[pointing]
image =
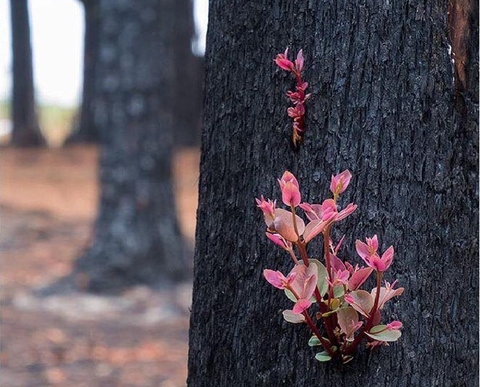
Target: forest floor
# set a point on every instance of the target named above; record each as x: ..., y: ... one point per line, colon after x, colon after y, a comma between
x: 48, y: 203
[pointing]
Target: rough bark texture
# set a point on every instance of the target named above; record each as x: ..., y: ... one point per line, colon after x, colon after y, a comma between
x: 137, y: 237
x: 383, y: 106
x: 26, y: 131
x: 86, y: 131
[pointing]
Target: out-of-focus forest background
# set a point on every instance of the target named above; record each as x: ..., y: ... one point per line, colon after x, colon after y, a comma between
x: 60, y: 324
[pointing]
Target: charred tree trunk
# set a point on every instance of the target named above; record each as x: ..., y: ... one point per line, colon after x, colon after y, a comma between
x: 26, y: 131
x: 137, y: 237
x: 187, y: 93
x: 385, y: 106
x: 86, y: 131
x: 187, y: 99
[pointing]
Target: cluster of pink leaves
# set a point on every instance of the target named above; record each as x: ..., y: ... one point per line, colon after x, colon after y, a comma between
x: 298, y: 96
x: 349, y: 313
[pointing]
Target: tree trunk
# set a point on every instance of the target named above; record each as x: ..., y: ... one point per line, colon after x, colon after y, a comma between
x: 26, y: 131
x: 137, y: 237
x: 385, y: 105
x: 187, y: 100
x: 86, y: 131
x: 188, y: 70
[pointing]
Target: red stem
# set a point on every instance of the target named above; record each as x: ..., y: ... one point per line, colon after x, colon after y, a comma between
x: 303, y: 252
x: 326, y: 345
x: 353, y: 346
x: 292, y: 208
x: 313, y: 327
x: 323, y: 308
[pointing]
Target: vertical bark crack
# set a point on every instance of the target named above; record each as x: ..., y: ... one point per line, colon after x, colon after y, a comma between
x: 459, y: 26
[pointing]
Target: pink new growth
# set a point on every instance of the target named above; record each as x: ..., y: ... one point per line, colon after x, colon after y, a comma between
x: 340, y: 183
x: 301, y: 281
x: 387, y: 293
x: 299, y: 61
x: 268, y: 209
x: 303, y: 286
x: 339, y: 277
x: 318, y: 211
x: 349, y: 314
x: 277, y: 279
x: 279, y: 241
x: 284, y: 225
x: 282, y: 61
x: 290, y: 189
x: 370, y: 248
x: 297, y: 97
x: 348, y: 322
x: 368, y: 252
x: 394, y: 325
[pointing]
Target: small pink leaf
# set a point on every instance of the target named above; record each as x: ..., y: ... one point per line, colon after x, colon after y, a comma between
x: 361, y: 301
x: 301, y: 306
x: 275, y: 278
x: 340, y: 182
x: 279, y: 241
x: 313, y: 228
x: 337, y: 263
x: 387, y: 257
x: 312, y: 211
x: 283, y: 224
x: 348, y: 322
x: 305, y: 280
x: 299, y: 61
x: 386, y: 293
x: 362, y: 249
x: 359, y: 277
x: 283, y: 62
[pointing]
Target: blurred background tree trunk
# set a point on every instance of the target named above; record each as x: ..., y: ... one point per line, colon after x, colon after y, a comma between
x: 25, y: 131
x: 85, y: 130
x: 188, y: 78
x: 384, y: 105
x: 187, y: 99
x: 137, y: 237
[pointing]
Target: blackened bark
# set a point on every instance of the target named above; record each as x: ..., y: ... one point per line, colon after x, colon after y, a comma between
x: 25, y: 131
x: 137, y: 237
x: 383, y: 106
x: 86, y: 131
x: 187, y: 98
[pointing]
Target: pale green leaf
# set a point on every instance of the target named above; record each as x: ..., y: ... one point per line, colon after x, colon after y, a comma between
x: 314, y: 341
x: 290, y: 295
x: 338, y: 291
x: 378, y: 328
x: 322, y: 283
x: 347, y: 319
x: 385, y: 335
x: 323, y: 356
x: 361, y: 301
x: 293, y: 318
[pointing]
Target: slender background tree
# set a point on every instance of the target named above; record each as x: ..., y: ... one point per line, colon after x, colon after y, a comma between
x: 187, y: 99
x: 387, y: 105
x: 85, y: 130
x: 26, y: 131
x: 137, y: 238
